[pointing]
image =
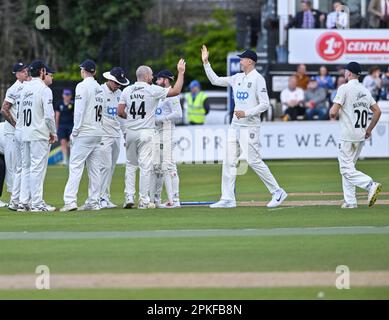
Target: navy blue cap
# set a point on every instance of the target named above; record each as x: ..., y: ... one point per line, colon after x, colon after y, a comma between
x: 39, y: 64
x: 165, y: 74
x: 354, y: 67
x: 249, y: 54
x: 88, y: 65
x: 19, y: 67
x: 116, y: 74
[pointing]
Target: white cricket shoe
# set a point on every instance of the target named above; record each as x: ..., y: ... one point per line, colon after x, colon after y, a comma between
x: 23, y: 207
x: 223, y: 204
x: 69, y: 207
x: 169, y: 205
x: 346, y: 205
x: 13, y: 206
x: 107, y: 204
x: 89, y: 207
x: 129, y: 202
x: 143, y: 206
x: 111, y: 205
x: 278, y: 197
x: 374, y: 191
x: 3, y: 204
x: 43, y: 208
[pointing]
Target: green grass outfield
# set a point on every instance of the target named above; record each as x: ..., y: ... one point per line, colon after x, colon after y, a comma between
x: 205, y: 240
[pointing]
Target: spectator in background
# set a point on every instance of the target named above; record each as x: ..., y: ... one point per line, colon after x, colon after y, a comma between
x: 379, y: 14
x: 337, y: 19
x: 292, y: 99
x: 301, y: 76
x: 316, y: 101
x: 324, y: 80
x: 64, y: 113
x: 197, y: 104
x: 308, y: 18
x: 385, y: 86
x: 341, y: 80
x: 373, y: 82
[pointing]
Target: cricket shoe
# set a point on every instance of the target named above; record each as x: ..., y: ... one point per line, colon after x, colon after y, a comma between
x: 89, y: 207
x: 150, y: 205
x: 42, y: 208
x: 128, y: 203
x: 171, y: 205
x: 346, y: 205
x: 72, y: 206
x: 13, y: 206
x: 107, y: 204
x: 23, y: 207
x: 223, y: 204
x: 3, y: 204
x: 278, y: 197
x: 374, y: 191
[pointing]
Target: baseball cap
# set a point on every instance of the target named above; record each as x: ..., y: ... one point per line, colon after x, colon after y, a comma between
x: 88, y: 65
x: 67, y: 92
x: 249, y: 54
x: 116, y: 74
x: 165, y: 74
x: 354, y: 67
x: 19, y: 66
x: 39, y: 64
x: 194, y: 83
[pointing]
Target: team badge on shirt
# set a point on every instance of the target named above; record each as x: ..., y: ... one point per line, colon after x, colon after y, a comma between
x: 249, y: 85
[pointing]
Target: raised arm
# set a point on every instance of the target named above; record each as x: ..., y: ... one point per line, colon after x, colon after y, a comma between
x: 212, y: 76
x: 176, y: 90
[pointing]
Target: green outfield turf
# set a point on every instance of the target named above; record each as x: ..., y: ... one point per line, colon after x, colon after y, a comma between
x: 283, y: 239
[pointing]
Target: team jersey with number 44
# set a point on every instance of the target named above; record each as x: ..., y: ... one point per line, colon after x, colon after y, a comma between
x: 88, y: 108
x: 141, y: 100
x: 356, y: 101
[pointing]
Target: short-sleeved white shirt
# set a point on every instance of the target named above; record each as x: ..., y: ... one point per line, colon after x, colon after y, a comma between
x: 141, y: 100
x: 13, y: 97
x: 356, y: 101
x: 110, y: 121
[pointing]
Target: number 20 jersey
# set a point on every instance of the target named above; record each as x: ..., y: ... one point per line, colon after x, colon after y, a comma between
x: 141, y: 100
x: 356, y: 101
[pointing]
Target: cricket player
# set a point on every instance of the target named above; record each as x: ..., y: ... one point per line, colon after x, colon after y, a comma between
x: 138, y: 104
x: 353, y: 102
x: 110, y: 144
x: 9, y: 111
x: 165, y: 170
x: 2, y: 163
x: 251, y: 99
x: 38, y: 131
x: 86, y: 138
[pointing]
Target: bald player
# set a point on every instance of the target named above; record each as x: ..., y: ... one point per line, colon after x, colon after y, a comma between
x: 353, y: 102
x: 138, y: 104
x: 251, y: 99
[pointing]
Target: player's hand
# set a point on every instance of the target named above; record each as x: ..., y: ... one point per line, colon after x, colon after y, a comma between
x: 53, y: 138
x: 204, y: 54
x: 240, y: 114
x: 367, y: 134
x: 181, y: 66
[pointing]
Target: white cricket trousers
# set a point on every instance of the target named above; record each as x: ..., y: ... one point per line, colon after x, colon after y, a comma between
x: 245, y: 139
x: 35, y: 157
x: 9, y: 157
x: 164, y: 166
x: 19, y: 174
x: 110, y: 149
x: 84, y: 150
x: 351, y: 177
x: 139, y: 148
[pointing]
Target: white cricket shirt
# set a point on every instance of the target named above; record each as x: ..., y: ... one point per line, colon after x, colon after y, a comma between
x: 13, y: 97
x: 110, y: 121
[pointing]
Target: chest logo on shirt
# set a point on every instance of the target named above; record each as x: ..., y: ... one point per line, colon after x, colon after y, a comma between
x: 112, y: 111
x: 249, y: 85
x: 158, y: 111
x: 360, y: 95
x: 242, y: 95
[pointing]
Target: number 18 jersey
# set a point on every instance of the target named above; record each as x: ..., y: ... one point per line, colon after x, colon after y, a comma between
x: 141, y: 100
x: 356, y: 101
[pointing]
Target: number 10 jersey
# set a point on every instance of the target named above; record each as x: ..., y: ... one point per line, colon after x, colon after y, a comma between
x: 356, y: 101
x: 141, y: 100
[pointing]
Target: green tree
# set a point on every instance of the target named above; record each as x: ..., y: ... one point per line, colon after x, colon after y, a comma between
x: 219, y: 36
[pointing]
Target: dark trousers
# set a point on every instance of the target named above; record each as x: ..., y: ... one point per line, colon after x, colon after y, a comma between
x: 2, y: 173
x: 293, y: 112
